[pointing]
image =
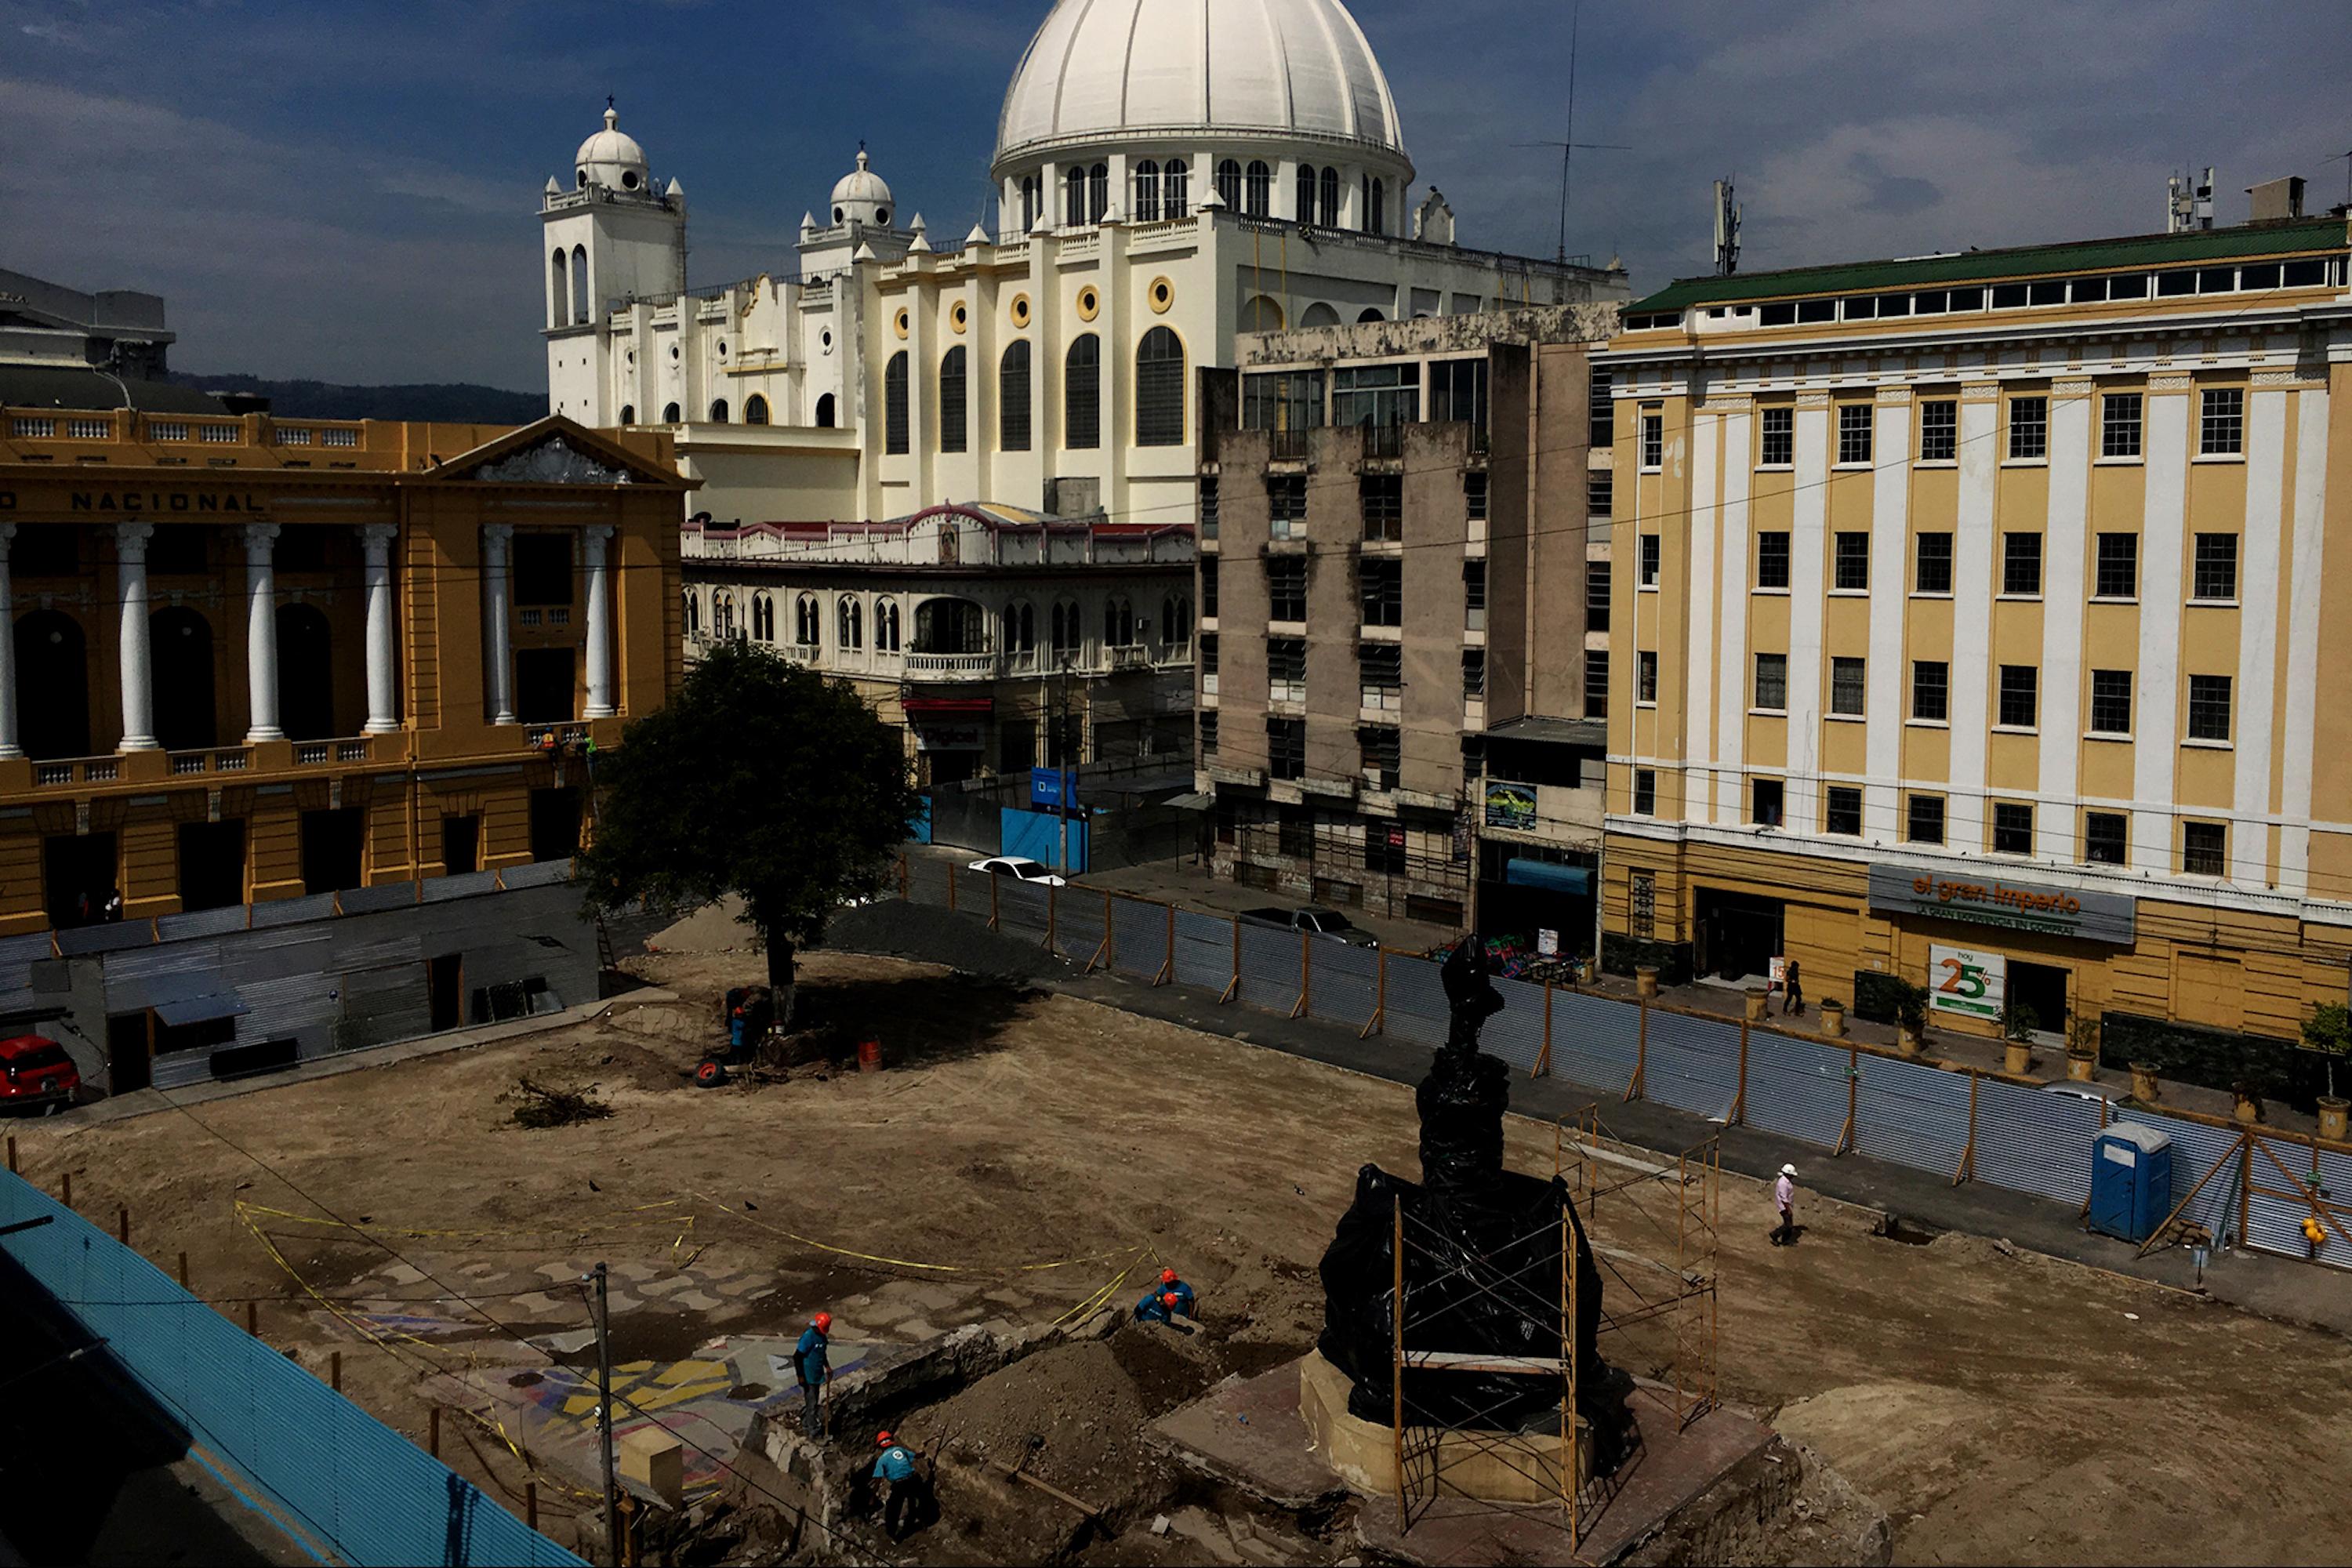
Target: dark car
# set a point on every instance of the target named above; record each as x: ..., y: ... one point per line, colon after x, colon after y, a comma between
x: 36, y: 1071
x: 1321, y: 923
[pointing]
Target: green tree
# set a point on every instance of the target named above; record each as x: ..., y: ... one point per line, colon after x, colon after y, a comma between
x: 758, y: 779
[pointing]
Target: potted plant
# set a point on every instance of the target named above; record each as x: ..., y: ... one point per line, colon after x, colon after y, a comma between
x: 2018, y: 1024
x: 2328, y: 1031
x: 1911, y: 1018
x: 2144, y: 1082
x: 2249, y: 1109
x: 2081, y: 1049
x: 1833, y: 1017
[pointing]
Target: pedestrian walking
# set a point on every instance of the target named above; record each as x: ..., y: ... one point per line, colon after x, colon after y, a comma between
x: 1784, y: 1198
x: 902, y: 1487
x: 813, y: 1366
x: 1793, y: 997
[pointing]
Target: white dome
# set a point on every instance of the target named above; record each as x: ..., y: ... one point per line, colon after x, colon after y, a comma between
x: 611, y: 158
x: 1107, y: 70
x: 862, y: 196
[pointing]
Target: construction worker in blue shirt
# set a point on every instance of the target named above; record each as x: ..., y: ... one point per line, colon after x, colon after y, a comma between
x: 904, y: 1485
x: 1158, y: 1306
x: 811, y: 1367
x: 1171, y: 1286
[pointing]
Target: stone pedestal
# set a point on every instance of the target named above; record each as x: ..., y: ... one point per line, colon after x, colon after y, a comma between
x: 1521, y: 1468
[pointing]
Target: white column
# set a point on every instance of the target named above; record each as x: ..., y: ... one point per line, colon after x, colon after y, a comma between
x: 498, y: 632
x: 261, y: 632
x: 600, y: 625
x: 131, y: 640
x: 8, y: 746
x: 383, y: 686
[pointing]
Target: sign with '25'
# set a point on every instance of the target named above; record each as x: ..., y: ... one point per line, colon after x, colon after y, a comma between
x: 1960, y: 981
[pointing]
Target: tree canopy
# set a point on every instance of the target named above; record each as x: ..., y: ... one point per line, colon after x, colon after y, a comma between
x: 760, y: 779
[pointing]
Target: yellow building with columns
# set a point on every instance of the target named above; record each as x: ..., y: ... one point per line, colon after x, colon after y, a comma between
x: 1988, y: 624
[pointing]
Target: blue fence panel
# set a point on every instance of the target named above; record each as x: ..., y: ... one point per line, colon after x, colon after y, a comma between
x: 2336, y: 1187
x: 1038, y: 836
x: 359, y: 1491
x: 1205, y: 951
x: 1692, y: 1064
x: 919, y: 826
x: 1516, y: 1034
x: 1020, y: 907
x: 2195, y: 1149
x: 1415, y: 1010
x: 1138, y: 937
x: 1797, y: 1087
x: 1344, y: 983
x: 2031, y: 1141
x: 1914, y: 1115
x: 1077, y: 925
x: 1593, y: 1041
x: 1270, y: 967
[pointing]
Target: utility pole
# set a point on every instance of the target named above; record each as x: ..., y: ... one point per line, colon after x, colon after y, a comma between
x: 605, y: 1414
x: 1061, y: 744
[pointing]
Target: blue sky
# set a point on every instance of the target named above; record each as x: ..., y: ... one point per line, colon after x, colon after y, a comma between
x: 347, y: 190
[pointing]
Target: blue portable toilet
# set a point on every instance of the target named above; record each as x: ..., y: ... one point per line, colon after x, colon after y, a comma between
x: 2131, y: 1180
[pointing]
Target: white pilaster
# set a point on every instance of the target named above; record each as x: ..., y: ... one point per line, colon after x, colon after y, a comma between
x: 498, y: 633
x: 1698, y: 663
x: 382, y: 682
x: 2299, y: 710
x: 600, y: 623
x: 1883, y: 673
x: 1808, y: 606
x: 8, y: 746
x: 261, y: 632
x: 131, y: 638
x: 2156, y: 714
x: 1733, y: 682
x: 1969, y: 672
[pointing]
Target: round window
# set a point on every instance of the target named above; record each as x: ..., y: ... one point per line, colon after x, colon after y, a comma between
x: 882, y: 217
x: 837, y: 214
x: 583, y: 179
x: 958, y: 316
x: 1163, y: 295
x: 898, y: 322
x: 1021, y: 309
x: 1089, y: 303
x: 722, y: 350
x: 632, y: 356
x: 673, y: 351
x: 629, y: 180
x: 825, y: 338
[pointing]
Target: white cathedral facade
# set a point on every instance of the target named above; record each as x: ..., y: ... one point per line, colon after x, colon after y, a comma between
x: 1168, y: 173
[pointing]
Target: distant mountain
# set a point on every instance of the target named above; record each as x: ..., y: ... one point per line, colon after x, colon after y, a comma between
x: 455, y: 402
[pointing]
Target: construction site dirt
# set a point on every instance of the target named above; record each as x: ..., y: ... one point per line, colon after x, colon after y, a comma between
x: 1028, y: 1158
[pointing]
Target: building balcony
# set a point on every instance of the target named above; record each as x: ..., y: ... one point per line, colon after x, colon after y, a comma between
x: 953, y: 665
x: 1134, y: 655
x: 77, y: 771
x: 223, y: 760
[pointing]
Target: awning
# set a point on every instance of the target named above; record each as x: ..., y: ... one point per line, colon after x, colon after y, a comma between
x: 1527, y: 873
x: 1191, y: 800
x: 200, y: 1009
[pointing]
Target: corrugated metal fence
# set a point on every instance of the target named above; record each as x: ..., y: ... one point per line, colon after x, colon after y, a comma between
x: 358, y: 1490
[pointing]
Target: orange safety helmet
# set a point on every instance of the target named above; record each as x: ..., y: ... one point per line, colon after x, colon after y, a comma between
x: 824, y: 1322
x: 882, y: 1440
x: 1168, y: 1277
x: 1168, y: 1299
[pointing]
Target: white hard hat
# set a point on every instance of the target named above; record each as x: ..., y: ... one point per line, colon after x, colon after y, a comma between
x: 1788, y: 1170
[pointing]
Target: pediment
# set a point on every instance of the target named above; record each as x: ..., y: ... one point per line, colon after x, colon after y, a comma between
x: 556, y: 451
x: 553, y: 461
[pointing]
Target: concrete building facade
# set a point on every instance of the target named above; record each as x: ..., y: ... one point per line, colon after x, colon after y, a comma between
x: 1981, y: 616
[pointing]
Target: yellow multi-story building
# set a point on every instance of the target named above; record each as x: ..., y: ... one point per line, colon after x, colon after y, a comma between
x: 1980, y: 615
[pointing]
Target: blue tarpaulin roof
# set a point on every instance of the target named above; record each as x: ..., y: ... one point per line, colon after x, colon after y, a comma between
x: 1527, y: 873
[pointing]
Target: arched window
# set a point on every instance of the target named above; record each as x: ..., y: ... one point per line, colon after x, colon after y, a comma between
x: 722, y: 615
x: 1029, y: 203
x: 1118, y: 623
x: 1371, y: 313
x: 1175, y: 622
x: 894, y: 404
x: 1097, y: 192
x: 848, y: 622
x: 1175, y: 196
x: 306, y: 673
x: 669, y: 414
x: 1329, y: 185
x: 53, y: 677
x: 1013, y: 397
x: 1229, y: 184
x: 951, y: 400
x: 180, y: 644
x: 1147, y: 191
x: 1257, y: 191
x: 559, y: 289
x: 1261, y: 313
x: 628, y: 414
x: 1159, y: 389
x: 886, y: 625
x: 1305, y: 197
x: 763, y: 617
x: 1073, y: 197
x: 1020, y: 627
x: 579, y: 284
x: 693, y: 614
x: 1319, y: 314
x: 1082, y: 394
x: 824, y: 412
x: 1376, y: 208
x: 755, y: 410
x: 806, y: 623
x: 1067, y: 634
x: 718, y: 411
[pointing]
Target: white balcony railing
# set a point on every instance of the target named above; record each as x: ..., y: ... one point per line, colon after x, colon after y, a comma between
x: 964, y: 666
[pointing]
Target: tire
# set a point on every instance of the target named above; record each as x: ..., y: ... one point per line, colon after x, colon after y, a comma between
x: 710, y: 1075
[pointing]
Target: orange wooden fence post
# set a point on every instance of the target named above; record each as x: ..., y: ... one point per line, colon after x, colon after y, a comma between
x: 1739, y: 1111
x: 1168, y: 961
x: 1306, y: 973
x: 1635, y: 1088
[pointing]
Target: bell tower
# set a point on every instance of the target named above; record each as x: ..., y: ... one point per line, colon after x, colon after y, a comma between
x: 608, y: 235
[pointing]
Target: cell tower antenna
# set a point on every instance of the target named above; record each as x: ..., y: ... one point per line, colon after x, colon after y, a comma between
x: 1571, y: 145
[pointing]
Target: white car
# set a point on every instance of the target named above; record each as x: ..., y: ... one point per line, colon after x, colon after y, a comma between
x: 1022, y: 870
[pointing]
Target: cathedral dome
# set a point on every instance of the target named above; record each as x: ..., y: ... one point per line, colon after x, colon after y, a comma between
x: 612, y: 158
x: 862, y: 196
x: 1104, y: 71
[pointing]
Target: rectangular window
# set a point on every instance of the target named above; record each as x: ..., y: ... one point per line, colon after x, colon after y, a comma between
x: 2020, y: 684
x: 1771, y: 560
x: 1939, y: 430
x: 1598, y: 423
x: 1772, y: 681
x: 1383, y: 499
x: 1853, y: 432
x: 1285, y: 749
x: 1294, y: 833
x: 1646, y: 676
x: 1286, y: 506
x: 1779, y: 429
x: 2222, y: 428
x: 1208, y: 663
x: 1208, y: 494
x: 2012, y: 829
x: 1923, y: 819
x: 1600, y: 492
x: 2111, y: 701
x: 1933, y: 573
x: 1208, y: 731
x: 1596, y: 683
x: 1379, y: 676
x: 1286, y: 669
x: 1649, y: 578
x: 1843, y: 810
x: 1208, y: 585
x: 2021, y: 565
x: 1646, y: 792
x: 542, y: 568
x: 2118, y: 570
x: 1596, y: 595
x: 1643, y: 893
x: 1846, y: 688
x: 2217, y: 566
x: 1286, y: 589
x: 1458, y: 395
x: 1379, y: 751
x: 2029, y: 428
x: 1474, y: 496
x: 2209, y: 706
x: 2204, y: 850
x: 1381, y: 395
x: 1379, y: 590
x: 2103, y: 838
x: 1288, y: 402
x: 1473, y: 673
x: 1852, y: 562
x: 1654, y: 441
x: 1474, y: 595
x: 1765, y: 809
x: 2119, y: 413
x: 1931, y: 690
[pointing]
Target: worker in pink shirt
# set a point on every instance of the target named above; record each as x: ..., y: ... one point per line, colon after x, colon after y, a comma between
x: 1784, y: 1198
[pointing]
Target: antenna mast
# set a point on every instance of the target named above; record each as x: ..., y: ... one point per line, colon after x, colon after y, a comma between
x: 1726, y: 230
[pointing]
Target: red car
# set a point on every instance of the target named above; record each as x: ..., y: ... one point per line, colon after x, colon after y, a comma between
x: 37, y: 1071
